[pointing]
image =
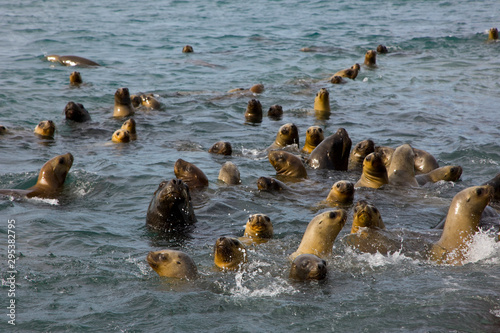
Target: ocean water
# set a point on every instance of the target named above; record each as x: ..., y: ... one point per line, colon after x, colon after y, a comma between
x: 81, y: 258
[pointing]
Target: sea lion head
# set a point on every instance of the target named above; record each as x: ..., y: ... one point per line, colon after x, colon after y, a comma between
x: 173, y: 264
x: 257, y: 88
x: 336, y: 79
x: 341, y: 192
x: 374, y: 164
x: 287, y: 164
x: 129, y: 126
x: 275, y: 112
x: 76, y: 112
x: 269, y: 184
x: 75, y: 78
x: 370, y: 58
x: 149, y: 101
x: 308, y: 267
x: 229, y: 174
x: 3, y: 129
x: 322, y: 100
x: 366, y: 216
x: 190, y: 174
x: 259, y: 226
x: 229, y: 253
x: 53, y: 173
x: 381, y: 49
x: 253, y: 113
x: 45, y: 128
x: 288, y: 134
x: 493, y: 34
x: 314, y: 136
x: 222, y: 148
x: 122, y: 96
x: 136, y: 100
x: 187, y: 49
x: 121, y: 136
x: 360, y: 151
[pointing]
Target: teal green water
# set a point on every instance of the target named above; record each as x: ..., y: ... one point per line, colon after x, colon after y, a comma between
x: 81, y: 264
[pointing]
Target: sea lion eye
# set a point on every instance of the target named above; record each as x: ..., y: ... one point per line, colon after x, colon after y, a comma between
x: 178, y: 262
x: 479, y: 191
x: 61, y: 160
x: 338, y: 185
x: 268, y: 219
x: 332, y: 215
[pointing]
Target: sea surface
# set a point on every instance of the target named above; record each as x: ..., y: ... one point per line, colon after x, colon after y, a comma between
x: 80, y: 259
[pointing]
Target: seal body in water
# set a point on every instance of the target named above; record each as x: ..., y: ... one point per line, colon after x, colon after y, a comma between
x: 229, y: 174
x: 71, y: 60
x: 221, y: 148
x: 172, y: 264
x: 322, y: 100
x: 449, y: 173
x: 287, y: 164
x: 123, y: 104
x: 270, y: 184
x: 190, y: 174
x: 76, y: 112
x: 253, y: 113
x: 350, y: 73
x: 401, y: 171
x: 308, y: 267
x: 288, y: 134
x: 332, y: 153
x: 371, y: 58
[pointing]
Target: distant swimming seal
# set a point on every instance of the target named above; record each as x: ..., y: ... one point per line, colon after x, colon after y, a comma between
x: 288, y: 134
x: 172, y: 264
x: 449, y: 173
x: 332, y: 153
x: 229, y: 174
x: 322, y: 101
x: 337, y: 79
x: 170, y: 209
x: 259, y: 228
x: 221, y: 148
x: 123, y: 103
x: 76, y: 112
x: 308, y: 267
x: 229, y: 253
x: 461, y: 224
x: 136, y: 100
x: 75, y: 78
x: 149, y: 101
x: 275, y: 112
x: 359, y: 152
x: 257, y: 88
x: 190, y: 174
x: 287, y: 164
x: 71, y: 60
x: 45, y: 128
x: 50, y: 179
x: 187, y: 49
x: 493, y: 34
x: 401, y: 171
x: 314, y: 136
x: 253, y: 113
x: 129, y: 126
x: 371, y: 58
x: 342, y: 192
x: 424, y: 161
x: 381, y: 49
x: 121, y: 136
x: 350, y: 73
x: 3, y: 130
x: 270, y: 184
x: 374, y: 172
x: 320, y: 233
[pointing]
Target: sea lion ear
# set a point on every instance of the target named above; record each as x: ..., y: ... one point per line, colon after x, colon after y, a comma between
x: 468, y: 198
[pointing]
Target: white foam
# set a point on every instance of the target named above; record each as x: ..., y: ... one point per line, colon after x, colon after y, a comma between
x: 483, y: 247
x: 53, y: 202
x: 378, y: 259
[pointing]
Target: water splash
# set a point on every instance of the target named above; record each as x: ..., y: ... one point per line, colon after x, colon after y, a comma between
x: 53, y: 202
x: 483, y: 247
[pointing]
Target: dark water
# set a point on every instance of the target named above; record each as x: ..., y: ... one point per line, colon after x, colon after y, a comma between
x: 81, y: 259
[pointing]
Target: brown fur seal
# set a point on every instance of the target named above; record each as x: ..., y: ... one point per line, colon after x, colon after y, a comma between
x: 50, y: 179
x: 288, y: 134
x: 221, y: 148
x: 3, y: 129
x: 229, y: 253
x: 257, y: 88
x: 461, y: 224
x: 366, y: 215
x: 259, y: 228
x: 449, y: 173
x: 190, y: 174
x: 385, y: 154
x: 149, y: 101
x: 136, y: 100
x: 493, y: 34
x: 121, y: 136
x: 229, y: 174
x: 253, y: 113
x: 350, y: 73
x: 172, y: 264
x: 308, y: 267
x: 314, y: 136
x: 187, y: 49
x: 170, y: 208
x: 71, y: 60
x: 371, y: 58
x: 270, y: 184
x: 129, y: 126
x: 342, y: 192
x: 322, y: 101
x: 401, y: 171
x: 424, y: 161
x: 332, y: 153
x: 359, y: 152
x: 374, y: 172
x: 382, y: 49
x: 320, y: 233
x: 337, y: 79
x: 275, y: 112
x: 45, y: 128
x: 76, y: 112
x: 75, y: 78
x: 287, y: 164
x: 123, y: 103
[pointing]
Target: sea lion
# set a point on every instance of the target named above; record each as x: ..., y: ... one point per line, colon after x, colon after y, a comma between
x: 495, y: 183
x: 129, y: 126
x: 45, y: 128
x: 170, y: 209
x: 382, y: 49
x: 76, y: 112
x: 332, y: 153
x: 366, y: 215
x: 221, y: 148
x: 121, y: 136
x: 350, y: 73
x: 359, y: 152
x: 337, y: 79
x: 270, y: 184
x: 257, y: 88
x: 371, y: 58
x: 322, y: 101
x: 275, y: 112
x: 314, y: 136
x: 172, y: 264
x: 493, y: 34
x: 321, y: 233
x: 75, y: 78
x: 424, y: 161
x: 385, y: 154
x: 253, y: 113
x: 287, y: 164
x: 136, y: 100
x: 229, y: 174
x: 3, y: 130
x: 308, y: 267
x: 229, y: 253
x: 374, y: 172
x: 123, y: 104
x: 187, y: 49
x: 401, y: 171
x: 50, y: 179
x: 288, y: 134
x: 342, y: 192
x: 149, y: 101
x: 259, y: 228
x: 461, y: 224
x: 71, y: 60
x: 449, y: 173
x: 190, y: 174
